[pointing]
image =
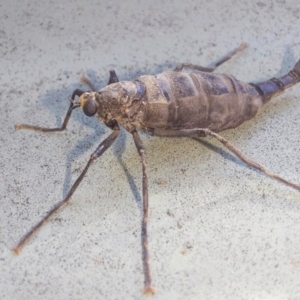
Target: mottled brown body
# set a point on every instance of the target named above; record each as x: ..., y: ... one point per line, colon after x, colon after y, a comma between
x: 179, y: 100
x: 176, y: 100
x: 173, y: 103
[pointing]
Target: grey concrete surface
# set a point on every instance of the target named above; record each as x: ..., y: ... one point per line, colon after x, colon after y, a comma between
x: 217, y: 229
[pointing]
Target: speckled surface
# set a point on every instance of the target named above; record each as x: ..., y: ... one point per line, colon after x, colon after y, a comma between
x: 218, y: 230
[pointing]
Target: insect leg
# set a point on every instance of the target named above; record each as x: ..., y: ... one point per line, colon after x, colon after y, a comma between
x: 112, y: 79
x: 237, y: 152
x: 97, y: 153
x: 72, y: 106
x: 148, y: 288
x: 249, y: 161
x: 86, y: 80
x: 218, y: 63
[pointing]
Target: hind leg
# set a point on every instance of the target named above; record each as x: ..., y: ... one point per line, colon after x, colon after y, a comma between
x: 218, y: 63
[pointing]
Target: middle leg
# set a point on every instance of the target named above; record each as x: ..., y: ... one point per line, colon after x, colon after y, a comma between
x: 148, y: 288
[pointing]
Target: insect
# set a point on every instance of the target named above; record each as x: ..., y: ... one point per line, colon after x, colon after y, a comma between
x: 173, y: 103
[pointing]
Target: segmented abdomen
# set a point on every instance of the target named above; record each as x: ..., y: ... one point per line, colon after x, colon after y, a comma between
x: 179, y: 100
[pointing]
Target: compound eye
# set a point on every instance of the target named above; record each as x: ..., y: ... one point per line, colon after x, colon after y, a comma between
x: 89, y: 108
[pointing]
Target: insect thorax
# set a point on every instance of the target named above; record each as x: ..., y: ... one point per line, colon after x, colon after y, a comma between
x: 122, y: 101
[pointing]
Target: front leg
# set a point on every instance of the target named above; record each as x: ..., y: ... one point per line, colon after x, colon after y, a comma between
x: 113, y: 78
x: 73, y: 105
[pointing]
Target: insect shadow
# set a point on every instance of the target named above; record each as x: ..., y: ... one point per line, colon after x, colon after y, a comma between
x: 88, y: 143
x: 226, y: 103
x: 56, y: 101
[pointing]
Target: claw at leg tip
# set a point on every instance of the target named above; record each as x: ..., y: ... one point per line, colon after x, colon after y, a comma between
x: 16, y: 250
x: 149, y: 290
x: 243, y: 45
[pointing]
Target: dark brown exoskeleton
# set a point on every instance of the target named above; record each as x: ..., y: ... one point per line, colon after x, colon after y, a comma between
x: 173, y: 103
